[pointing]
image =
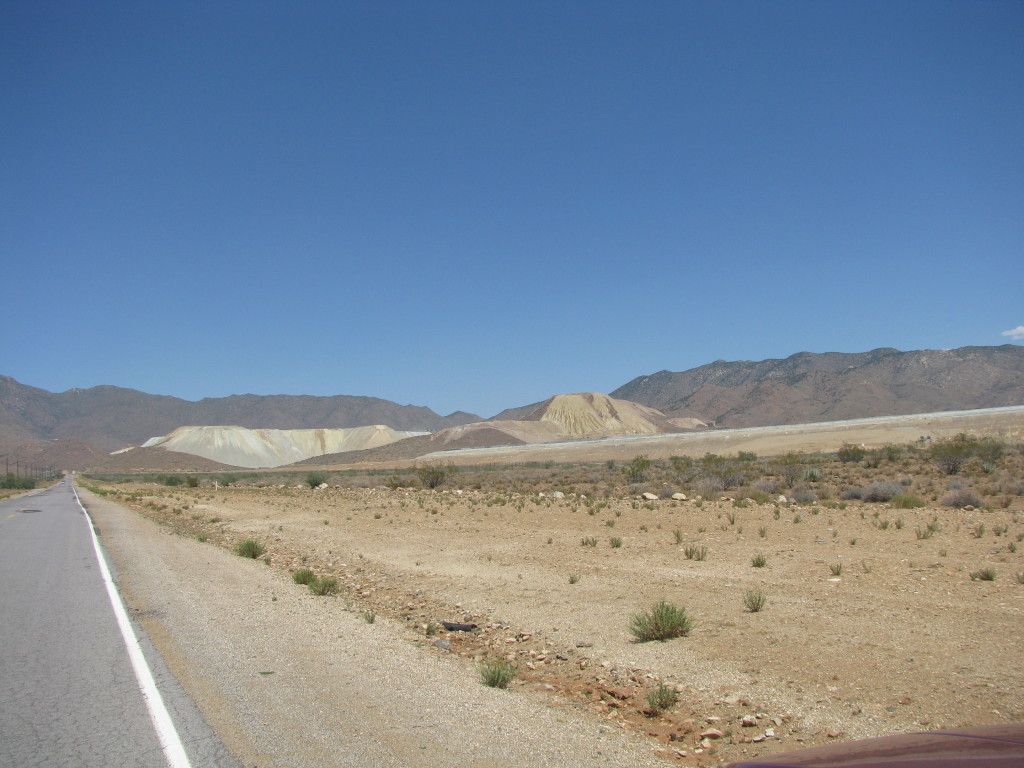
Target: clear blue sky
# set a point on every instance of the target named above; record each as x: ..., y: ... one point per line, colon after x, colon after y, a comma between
x: 476, y: 205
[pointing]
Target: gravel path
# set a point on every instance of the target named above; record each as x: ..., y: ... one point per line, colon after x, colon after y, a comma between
x: 289, y: 679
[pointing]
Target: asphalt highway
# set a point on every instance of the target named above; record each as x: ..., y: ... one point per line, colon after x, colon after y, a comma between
x: 70, y: 692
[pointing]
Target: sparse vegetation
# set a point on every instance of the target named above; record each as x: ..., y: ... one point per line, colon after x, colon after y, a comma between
x: 662, y: 622
x: 303, y: 576
x: 759, y: 560
x: 984, y: 574
x: 755, y: 600
x: 324, y: 585
x: 661, y: 698
x: 695, y: 552
x: 316, y: 479
x: 249, y: 548
x: 497, y: 673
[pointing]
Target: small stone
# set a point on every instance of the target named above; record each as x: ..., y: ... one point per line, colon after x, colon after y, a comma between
x: 712, y: 733
x: 769, y: 733
x: 748, y: 721
x: 443, y: 644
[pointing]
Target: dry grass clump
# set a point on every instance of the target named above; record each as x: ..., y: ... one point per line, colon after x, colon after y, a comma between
x: 663, y: 621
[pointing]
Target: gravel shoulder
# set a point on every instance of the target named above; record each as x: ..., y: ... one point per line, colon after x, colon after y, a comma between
x: 286, y: 678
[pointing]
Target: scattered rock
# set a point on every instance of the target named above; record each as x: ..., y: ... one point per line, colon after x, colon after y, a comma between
x: 712, y: 733
x: 443, y: 644
x: 748, y: 721
x: 648, y: 496
x: 679, y: 496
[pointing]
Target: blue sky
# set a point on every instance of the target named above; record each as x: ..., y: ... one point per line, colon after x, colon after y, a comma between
x: 477, y: 205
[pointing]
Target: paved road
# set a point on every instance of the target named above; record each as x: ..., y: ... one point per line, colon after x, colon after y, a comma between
x: 68, y: 692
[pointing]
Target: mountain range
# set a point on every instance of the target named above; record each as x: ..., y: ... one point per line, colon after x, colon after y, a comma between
x: 805, y: 387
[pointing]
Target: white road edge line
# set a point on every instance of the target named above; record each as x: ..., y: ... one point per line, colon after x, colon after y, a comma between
x: 167, y: 735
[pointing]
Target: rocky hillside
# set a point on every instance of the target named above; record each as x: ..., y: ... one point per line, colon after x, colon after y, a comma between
x: 110, y: 417
x: 809, y: 387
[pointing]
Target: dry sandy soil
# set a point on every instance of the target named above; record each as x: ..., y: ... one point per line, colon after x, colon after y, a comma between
x: 901, y: 639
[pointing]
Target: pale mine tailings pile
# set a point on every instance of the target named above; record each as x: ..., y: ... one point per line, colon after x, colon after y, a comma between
x: 259, y: 448
x: 572, y: 417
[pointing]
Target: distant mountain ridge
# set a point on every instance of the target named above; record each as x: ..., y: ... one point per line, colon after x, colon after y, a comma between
x: 805, y: 387
x: 110, y: 418
x: 832, y: 386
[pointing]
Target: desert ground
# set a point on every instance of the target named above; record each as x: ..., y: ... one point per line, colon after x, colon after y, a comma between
x: 878, y: 619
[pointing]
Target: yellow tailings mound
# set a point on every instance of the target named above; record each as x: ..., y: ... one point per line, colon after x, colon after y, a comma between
x: 590, y: 414
x: 569, y: 417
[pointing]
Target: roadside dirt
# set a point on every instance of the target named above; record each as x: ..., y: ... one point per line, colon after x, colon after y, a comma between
x: 868, y: 629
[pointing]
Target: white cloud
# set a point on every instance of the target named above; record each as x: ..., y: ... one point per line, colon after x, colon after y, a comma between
x: 1015, y: 333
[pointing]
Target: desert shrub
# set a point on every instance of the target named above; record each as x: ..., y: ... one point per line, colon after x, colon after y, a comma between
x: 636, y: 470
x: 709, y: 486
x: 883, y: 490
x: 984, y: 574
x: 851, y: 493
x: 766, y: 485
x: 695, y: 552
x: 315, y: 479
x: 951, y: 455
x: 588, y: 541
x: 615, y: 542
x: 791, y: 468
x: 758, y: 496
x: 678, y: 535
x: 663, y: 622
x: 754, y: 600
x: 759, y: 560
x: 249, y: 548
x: 172, y: 480
x: 804, y: 496
x: 906, y: 501
x: 435, y: 475
x: 850, y: 453
x: 574, y: 578
x: 836, y: 569
x: 960, y: 498
x: 303, y: 576
x: 13, y: 482
x: 497, y: 673
x: 192, y: 482
x: 660, y: 698
x: 324, y: 585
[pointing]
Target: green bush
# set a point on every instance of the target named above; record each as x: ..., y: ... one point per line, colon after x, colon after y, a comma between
x: 249, y: 548
x: 303, y: 576
x: 323, y: 585
x: 316, y: 479
x: 660, y: 698
x: 754, y: 600
x: 435, y: 475
x: 663, y: 622
x: 759, y: 560
x: 497, y: 673
x: 851, y: 453
x: 13, y: 482
x: 906, y: 501
x: 695, y: 552
x: 636, y: 470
